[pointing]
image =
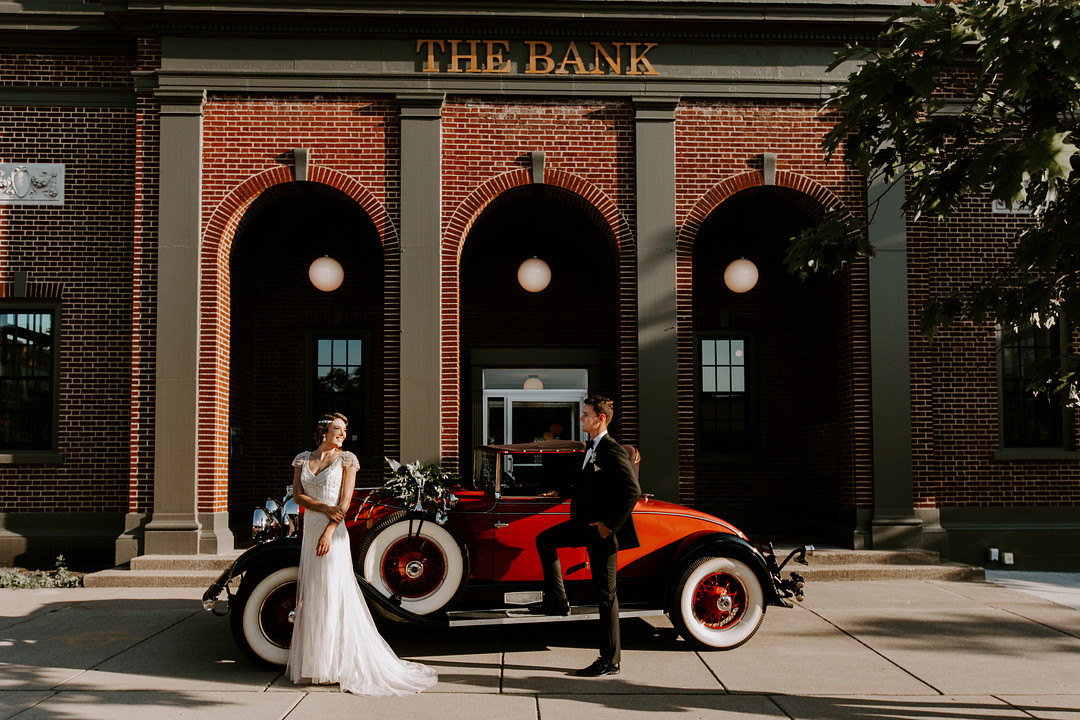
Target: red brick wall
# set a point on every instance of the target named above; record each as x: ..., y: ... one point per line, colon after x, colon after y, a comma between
x: 814, y: 402
x: 588, y: 147
x: 248, y: 142
x: 954, y: 378
x: 80, y: 253
x: 144, y: 289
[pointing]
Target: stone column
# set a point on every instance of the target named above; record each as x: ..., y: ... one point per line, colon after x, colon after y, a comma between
x: 174, y: 528
x: 894, y: 523
x: 421, y: 301
x: 658, y: 386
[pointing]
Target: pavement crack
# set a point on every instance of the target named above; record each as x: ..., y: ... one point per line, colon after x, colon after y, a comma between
x: 884, y: 657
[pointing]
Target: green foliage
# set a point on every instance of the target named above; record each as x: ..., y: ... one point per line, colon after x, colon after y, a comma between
x: 419, y: 486
x: 969, y: 98
x: 59, y: 577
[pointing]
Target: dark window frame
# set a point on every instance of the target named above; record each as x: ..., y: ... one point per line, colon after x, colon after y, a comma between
x: 47, y: 450
x: 359, y: 423
x: 1012, y: 393
x: 748, y: 448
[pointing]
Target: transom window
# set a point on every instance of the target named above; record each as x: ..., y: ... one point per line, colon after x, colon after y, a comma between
x: 28, y: 379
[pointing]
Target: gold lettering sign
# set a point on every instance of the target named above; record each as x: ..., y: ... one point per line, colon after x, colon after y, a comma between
x: 539, y: 57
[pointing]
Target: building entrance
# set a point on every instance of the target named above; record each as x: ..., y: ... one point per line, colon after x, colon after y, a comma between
x: 532, y: 405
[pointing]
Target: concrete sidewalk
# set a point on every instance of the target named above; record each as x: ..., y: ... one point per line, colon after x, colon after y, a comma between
x: 853, y: 650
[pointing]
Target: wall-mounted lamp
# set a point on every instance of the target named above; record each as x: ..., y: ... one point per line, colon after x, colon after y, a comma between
x: 326, y: 274
x: 534, y: 275
x: 533, y: 382
x: 741, y: 275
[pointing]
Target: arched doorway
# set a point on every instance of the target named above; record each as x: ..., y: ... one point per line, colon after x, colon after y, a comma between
x: 296, y: 351
x: 566, y: 335
x: 773, y: 404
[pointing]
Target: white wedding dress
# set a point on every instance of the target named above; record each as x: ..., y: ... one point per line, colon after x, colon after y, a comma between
x: 334, y: 638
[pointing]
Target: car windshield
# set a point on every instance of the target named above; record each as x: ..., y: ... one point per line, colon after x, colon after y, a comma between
x: 526, y: 469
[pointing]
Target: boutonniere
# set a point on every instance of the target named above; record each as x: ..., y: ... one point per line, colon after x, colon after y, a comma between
x: 592, y: 461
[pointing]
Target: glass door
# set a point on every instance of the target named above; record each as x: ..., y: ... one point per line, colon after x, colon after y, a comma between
x: 531, y: 405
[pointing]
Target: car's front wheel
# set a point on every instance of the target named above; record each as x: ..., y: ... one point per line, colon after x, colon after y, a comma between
x: 261, y: 616
x: 719, y: 603
x: 419, y: 562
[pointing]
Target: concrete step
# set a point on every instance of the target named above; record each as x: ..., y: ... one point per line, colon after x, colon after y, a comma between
x: 827, y: 565
x: 164, y: 571
x: 217, y: 563
x: 863, y: 571
x: 121, y: 577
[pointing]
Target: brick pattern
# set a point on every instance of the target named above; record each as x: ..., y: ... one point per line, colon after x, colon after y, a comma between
x: 248, y: 143
x: 97, y: 253
x: 144, y: 289
x: 81, y: 254
x: 804, y: 457
x: 588, y: 151
x: 954, y: 378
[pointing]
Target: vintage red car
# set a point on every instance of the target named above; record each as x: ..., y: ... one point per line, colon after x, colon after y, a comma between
x: 477, y: 563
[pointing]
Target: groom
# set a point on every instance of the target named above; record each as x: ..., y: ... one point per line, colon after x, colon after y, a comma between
x: 602, y: 498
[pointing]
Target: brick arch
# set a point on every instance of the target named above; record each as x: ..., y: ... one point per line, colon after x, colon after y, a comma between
x: 622, y: 245
x: 813, y: 191
x: 815, y: 197
x: 215, y: 313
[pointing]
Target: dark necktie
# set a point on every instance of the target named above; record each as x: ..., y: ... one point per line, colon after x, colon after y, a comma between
x: 588, y: 444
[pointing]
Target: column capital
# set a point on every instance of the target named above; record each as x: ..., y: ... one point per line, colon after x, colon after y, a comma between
x: 181, y: 101
x: 660, y: 108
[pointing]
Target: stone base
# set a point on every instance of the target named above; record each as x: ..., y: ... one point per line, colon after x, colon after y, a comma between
x: 34, y: 540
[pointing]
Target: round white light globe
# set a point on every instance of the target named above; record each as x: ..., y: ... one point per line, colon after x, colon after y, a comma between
x: 534, y: 275
x: 326, y: 274
x: 741, y: 275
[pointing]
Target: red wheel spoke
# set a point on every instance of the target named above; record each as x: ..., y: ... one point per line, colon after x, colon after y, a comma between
x: 414, y: 567
x: 719, y: 601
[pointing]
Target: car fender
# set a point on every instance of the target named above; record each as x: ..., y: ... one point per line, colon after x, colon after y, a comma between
x: 721, y: 545
x: 285, y: 551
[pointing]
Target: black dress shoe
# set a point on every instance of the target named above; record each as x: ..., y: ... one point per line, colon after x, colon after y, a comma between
x: 551, y: 607
x: 599, y: 667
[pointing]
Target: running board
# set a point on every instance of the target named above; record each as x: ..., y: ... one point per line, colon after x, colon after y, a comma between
x: 511, y: 616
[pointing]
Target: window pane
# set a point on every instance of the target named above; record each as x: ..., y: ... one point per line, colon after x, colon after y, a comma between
x: 27, y: 381
x: 723, y: 380
x: 722, y: 407
x: 1028, y: 420
x: 708, y: 352
x: 708, y: 379
x: 738, y: 352
x: 738, y: 379
x: 340, y: 385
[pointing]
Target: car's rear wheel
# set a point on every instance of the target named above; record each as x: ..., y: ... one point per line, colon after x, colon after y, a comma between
x: 419, y: 562
x: 719, y: 603
x: 261, y: 614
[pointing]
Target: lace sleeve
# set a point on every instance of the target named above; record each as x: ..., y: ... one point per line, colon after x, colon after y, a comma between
x: 301, y: 459
x: 349, y: 460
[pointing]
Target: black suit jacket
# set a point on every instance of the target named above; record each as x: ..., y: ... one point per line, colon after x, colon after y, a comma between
x: 606, y: 490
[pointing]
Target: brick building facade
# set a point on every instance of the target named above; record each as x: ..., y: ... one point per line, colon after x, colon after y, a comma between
x: 207, y: 157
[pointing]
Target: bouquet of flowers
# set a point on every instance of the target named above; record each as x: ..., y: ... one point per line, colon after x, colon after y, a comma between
x: 419, y: 486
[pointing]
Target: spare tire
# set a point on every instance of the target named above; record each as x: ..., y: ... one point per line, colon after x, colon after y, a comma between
x: 414, y: 560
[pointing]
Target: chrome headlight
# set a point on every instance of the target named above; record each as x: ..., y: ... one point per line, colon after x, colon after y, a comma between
x: 264, y: 526
x: 292, y: 516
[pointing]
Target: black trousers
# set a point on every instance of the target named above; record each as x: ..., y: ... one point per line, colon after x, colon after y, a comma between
x: 602, y: 563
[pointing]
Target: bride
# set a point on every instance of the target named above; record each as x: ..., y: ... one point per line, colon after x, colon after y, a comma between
x: 334, y: 638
